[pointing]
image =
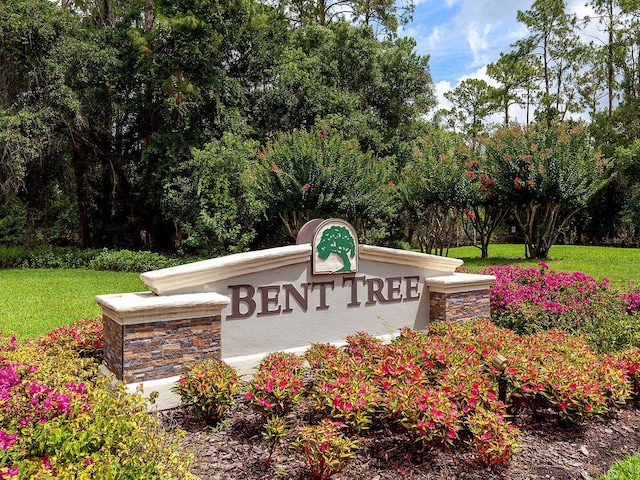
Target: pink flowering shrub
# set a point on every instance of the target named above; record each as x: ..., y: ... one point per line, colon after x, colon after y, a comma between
x: 632, y: 298
x: 519, y: 293
x: 530, y: 300
x: 59, y: 418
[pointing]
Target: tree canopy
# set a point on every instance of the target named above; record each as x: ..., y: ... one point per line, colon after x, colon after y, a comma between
x: 217, y: 126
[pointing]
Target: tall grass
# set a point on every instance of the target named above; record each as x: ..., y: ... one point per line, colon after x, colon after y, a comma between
x: 35, y: 301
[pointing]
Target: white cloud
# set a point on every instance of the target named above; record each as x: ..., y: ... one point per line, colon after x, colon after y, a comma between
x: 434, y: 38
x: 478, y: 43
x: 440, y: 89
x: 463, y: 36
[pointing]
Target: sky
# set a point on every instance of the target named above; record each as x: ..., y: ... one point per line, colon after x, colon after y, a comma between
x: 463, y: 36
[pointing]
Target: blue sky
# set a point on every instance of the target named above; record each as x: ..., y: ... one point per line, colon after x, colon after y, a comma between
x: 463, y: 36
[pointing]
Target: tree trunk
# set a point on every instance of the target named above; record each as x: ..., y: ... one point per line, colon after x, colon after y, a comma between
x: 82, y: 171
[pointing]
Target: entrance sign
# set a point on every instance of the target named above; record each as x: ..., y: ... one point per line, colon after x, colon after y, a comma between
x: 243, y: 306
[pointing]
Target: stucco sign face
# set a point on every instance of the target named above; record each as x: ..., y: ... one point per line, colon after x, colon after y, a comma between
x: 322, y: 289
x: 335, y: 248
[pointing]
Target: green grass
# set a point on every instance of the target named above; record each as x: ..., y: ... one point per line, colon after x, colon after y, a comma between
x: 627, y: 469
x: 617, y: 264
x: 33, y: 302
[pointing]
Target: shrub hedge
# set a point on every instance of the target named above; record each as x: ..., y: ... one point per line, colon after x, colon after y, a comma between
x: 70, y: 257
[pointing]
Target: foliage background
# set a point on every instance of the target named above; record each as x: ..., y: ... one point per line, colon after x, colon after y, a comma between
x: 152, y: 125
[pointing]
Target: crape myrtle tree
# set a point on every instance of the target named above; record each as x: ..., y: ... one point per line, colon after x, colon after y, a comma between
x: 305, y: 175
x: 548, y: 173
x: 487, y: 208
x: 435, y: 189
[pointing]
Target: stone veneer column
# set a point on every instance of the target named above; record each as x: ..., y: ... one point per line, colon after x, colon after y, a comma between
x: 459, y: 297
x: 150, y: 337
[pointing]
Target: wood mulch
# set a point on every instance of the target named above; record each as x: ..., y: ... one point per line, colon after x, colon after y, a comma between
x: 549, y: 449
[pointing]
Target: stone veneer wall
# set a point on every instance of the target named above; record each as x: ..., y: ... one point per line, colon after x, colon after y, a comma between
x: 161, y: 349
x: 112, y: 350
x: 459, y: 306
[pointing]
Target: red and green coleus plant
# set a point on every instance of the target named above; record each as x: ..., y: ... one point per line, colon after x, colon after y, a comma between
x: 560, y: 370
x: 363, y: 347
x: 493, y: 439
x: 429, y: 415
x: 85, y: 337
x: 628, y: 361
x: 325, y: 448
x: 347, y: 394
x: 208, y: 387
x: 277, y: 385
x: 324, y: 356
x: 273, y: 430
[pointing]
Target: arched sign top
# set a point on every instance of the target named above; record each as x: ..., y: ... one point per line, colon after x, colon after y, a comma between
x: 334, y: 247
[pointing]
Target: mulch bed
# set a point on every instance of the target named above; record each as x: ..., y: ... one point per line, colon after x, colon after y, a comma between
x: 549, y: 449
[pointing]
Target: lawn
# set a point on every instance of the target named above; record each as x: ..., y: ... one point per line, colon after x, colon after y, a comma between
x: 33, y: 302
x: 617, y: 264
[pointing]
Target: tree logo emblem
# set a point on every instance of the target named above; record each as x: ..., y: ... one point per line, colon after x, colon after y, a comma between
x: 335, y: 248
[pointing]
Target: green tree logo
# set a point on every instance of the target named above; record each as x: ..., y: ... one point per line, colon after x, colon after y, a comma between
x: 337, y: 239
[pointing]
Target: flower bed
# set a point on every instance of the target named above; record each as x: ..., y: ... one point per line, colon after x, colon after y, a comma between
x: 60, y: 419
x: 530, y: 300
x: 438, y: 388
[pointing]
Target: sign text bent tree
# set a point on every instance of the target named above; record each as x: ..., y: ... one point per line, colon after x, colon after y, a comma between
x: 243, y: 306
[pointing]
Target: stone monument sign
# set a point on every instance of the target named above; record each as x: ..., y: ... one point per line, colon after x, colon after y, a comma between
x: 243, y: 306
